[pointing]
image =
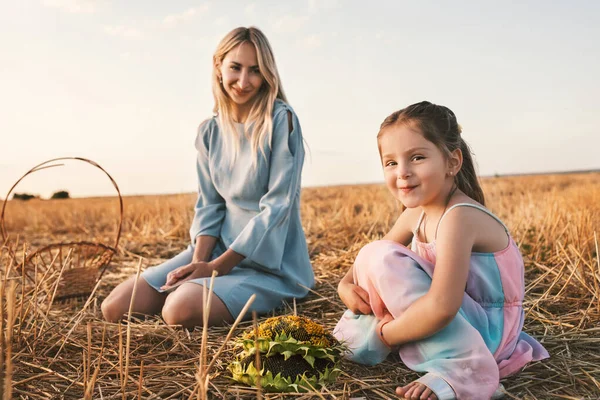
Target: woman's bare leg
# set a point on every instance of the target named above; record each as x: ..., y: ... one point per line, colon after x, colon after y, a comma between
x: 184, y: 307
x: 148, y: 300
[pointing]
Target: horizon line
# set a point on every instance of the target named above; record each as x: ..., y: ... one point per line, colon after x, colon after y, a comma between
x: 496, y: 175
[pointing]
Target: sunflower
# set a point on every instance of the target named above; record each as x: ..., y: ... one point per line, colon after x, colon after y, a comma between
x: 296, y: 355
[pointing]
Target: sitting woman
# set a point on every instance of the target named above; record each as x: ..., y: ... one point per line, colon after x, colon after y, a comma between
x: 247, y: 218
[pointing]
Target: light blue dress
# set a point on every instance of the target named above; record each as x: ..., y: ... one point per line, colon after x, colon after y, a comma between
x: 255, y: 211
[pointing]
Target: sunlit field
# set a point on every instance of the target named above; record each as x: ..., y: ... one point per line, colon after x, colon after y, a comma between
x: 65, y: 350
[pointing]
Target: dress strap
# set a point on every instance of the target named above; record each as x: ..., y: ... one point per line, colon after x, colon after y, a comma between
x: 418, y: 223
x: 485, y: 210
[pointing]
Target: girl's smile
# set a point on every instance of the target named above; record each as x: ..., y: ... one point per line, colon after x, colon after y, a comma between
x: 415, y: 169
x: 407, y: 189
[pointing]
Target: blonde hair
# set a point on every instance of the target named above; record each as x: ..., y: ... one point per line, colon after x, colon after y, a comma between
x: 261, y: 113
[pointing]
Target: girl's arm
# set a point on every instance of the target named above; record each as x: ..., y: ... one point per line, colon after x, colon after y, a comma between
x: 401, y: 232
x: 355, y: 297
x: 436, y: 309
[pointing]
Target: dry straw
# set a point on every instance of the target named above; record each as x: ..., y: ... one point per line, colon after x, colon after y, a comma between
x: 67, y: 348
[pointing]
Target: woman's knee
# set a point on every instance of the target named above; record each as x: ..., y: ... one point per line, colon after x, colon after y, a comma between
x: 171, y: 315
x: 112, y: 309
x: 184, y: 307
x: 118, y: 302
x: 178, y: 310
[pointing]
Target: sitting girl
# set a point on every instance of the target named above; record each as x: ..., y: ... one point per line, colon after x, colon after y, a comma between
x: 453, y: 303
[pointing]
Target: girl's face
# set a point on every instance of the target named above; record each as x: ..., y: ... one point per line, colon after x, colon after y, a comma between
x: 240, y: 74
x: 415, y: 170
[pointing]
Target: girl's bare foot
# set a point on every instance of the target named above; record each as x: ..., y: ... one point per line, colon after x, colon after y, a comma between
x: 415, y: 391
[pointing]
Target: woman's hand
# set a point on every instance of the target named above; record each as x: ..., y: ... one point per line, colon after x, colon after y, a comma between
x: 354, y: 297
x: 180, y: 275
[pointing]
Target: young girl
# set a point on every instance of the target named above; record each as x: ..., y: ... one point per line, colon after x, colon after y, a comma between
x: 247, y: 220
x: 453, y: 304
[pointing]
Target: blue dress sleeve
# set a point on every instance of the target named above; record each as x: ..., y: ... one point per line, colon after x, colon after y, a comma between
x: 263, y: 239
x: 210, y: 206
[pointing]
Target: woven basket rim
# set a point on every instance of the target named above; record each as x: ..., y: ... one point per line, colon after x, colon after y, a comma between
x: 44, y: 165
x: 67, y: 244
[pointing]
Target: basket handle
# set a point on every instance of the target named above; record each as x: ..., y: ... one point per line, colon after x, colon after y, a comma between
x: 45, y: 165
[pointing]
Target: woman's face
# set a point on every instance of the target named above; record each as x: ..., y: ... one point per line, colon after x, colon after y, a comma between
x: 240, y: 74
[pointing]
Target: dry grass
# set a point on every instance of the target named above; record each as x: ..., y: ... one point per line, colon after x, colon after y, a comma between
x: 67, y: 351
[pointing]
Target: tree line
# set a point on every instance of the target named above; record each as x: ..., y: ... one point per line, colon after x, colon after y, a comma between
x: 61, y: 194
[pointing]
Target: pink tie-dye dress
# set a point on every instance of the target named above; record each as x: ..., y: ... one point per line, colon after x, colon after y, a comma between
x: 482, y: 344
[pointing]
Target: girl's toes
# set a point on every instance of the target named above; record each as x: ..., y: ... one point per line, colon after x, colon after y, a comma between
x: 428, y: 394
x: 401, y: 390
x: 412, y: 393
x: 415, y: 391
x: 418, y: 391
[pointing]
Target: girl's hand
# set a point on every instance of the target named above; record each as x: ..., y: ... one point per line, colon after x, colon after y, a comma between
x: 354, y: 297
x: 180, y: 275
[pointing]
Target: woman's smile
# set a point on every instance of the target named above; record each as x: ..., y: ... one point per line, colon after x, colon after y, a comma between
x: 240, y: 92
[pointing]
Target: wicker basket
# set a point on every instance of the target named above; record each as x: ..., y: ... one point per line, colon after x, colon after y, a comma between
x: 59, y: 271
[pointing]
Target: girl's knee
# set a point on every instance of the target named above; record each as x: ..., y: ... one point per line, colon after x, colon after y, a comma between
x: 377, y: 254
x: 367, y: 254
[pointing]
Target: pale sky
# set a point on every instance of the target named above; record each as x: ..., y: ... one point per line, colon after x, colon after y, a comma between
x: 126, y: 83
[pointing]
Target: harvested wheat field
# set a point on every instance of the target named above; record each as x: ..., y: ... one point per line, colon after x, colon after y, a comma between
x: 64, y: 349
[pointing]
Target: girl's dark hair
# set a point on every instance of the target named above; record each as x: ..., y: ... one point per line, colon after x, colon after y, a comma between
x: 438, y: 125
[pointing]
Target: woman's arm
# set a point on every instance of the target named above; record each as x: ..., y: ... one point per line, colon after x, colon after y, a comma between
x: 204, y: 247
x: 209, y: 210
x: 436, y: 309
x: 262, y: 241
x: 222, y: 264
x: 199, y: 267
x: 226, y: 261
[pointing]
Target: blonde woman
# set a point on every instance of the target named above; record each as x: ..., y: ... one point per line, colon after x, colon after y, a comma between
x: 247, y: 219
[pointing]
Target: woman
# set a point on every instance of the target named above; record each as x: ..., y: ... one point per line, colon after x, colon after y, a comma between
x: 247, y: 218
